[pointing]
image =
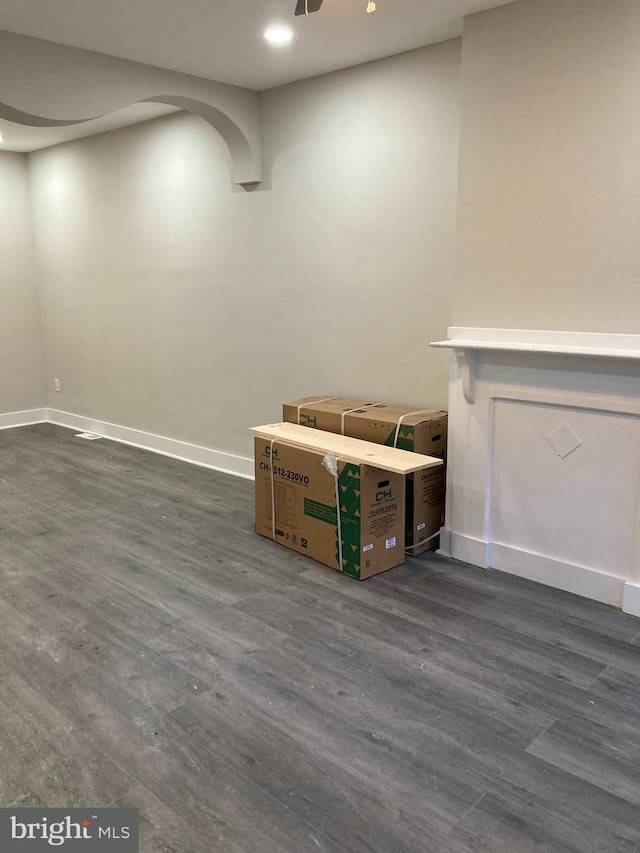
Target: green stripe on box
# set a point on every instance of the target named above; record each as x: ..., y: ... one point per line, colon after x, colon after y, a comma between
x: 406, y: 438
x: 409, y: 532
x: 349, y: 490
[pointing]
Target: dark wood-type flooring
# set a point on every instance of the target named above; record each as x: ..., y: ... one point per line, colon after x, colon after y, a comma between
x: 155, y: 653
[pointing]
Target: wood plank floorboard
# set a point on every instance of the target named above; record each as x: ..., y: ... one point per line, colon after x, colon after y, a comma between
x: 156, y: 654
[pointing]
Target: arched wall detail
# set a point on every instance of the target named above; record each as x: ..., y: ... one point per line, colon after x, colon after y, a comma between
x: 76, y: 86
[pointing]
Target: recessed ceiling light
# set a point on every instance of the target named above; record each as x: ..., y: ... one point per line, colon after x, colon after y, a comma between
x: 1, y: 137
x: 278, y: 35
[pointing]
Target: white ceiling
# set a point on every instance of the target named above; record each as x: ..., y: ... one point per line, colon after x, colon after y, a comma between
x: 222, y: 40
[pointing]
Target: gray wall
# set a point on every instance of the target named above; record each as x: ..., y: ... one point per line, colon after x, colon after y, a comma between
x: 549, y: 182
x: 21, y: 362
x: 177, y: 305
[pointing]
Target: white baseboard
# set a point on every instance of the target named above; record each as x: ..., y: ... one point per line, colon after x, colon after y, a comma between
x: 18, y: 419
x: 580, y: 580
x: 467, y: 549
x: 240, y: 466
x: 631, y: 598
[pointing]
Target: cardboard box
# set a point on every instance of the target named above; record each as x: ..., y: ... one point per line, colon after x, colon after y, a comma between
x: 298, y: 484
x: 420, y: 431
x: 326, y: 413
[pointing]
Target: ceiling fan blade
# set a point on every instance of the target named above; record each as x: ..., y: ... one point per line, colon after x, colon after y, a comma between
x: 307, y: 6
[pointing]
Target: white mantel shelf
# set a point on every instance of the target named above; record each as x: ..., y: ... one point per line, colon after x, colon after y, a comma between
x: 531, y: 340
x: 468, y: 341
x: 550, y: 348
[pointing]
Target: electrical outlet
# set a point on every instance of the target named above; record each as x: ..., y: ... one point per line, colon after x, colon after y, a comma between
x: 56, y: 384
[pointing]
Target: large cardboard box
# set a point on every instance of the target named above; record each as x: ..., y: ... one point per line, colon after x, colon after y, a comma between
x: 362, y: 534
x: 420, y: 431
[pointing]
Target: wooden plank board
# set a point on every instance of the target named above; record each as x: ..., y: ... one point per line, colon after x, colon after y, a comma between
x: 355, y: 449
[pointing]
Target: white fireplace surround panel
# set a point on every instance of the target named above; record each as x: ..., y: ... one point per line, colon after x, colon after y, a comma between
x: 544, y: 458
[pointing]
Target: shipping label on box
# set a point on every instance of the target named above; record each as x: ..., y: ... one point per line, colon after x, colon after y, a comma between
x: 344, y: 514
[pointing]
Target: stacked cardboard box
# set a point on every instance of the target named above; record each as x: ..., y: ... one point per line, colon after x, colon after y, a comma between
x: 404, y: 427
